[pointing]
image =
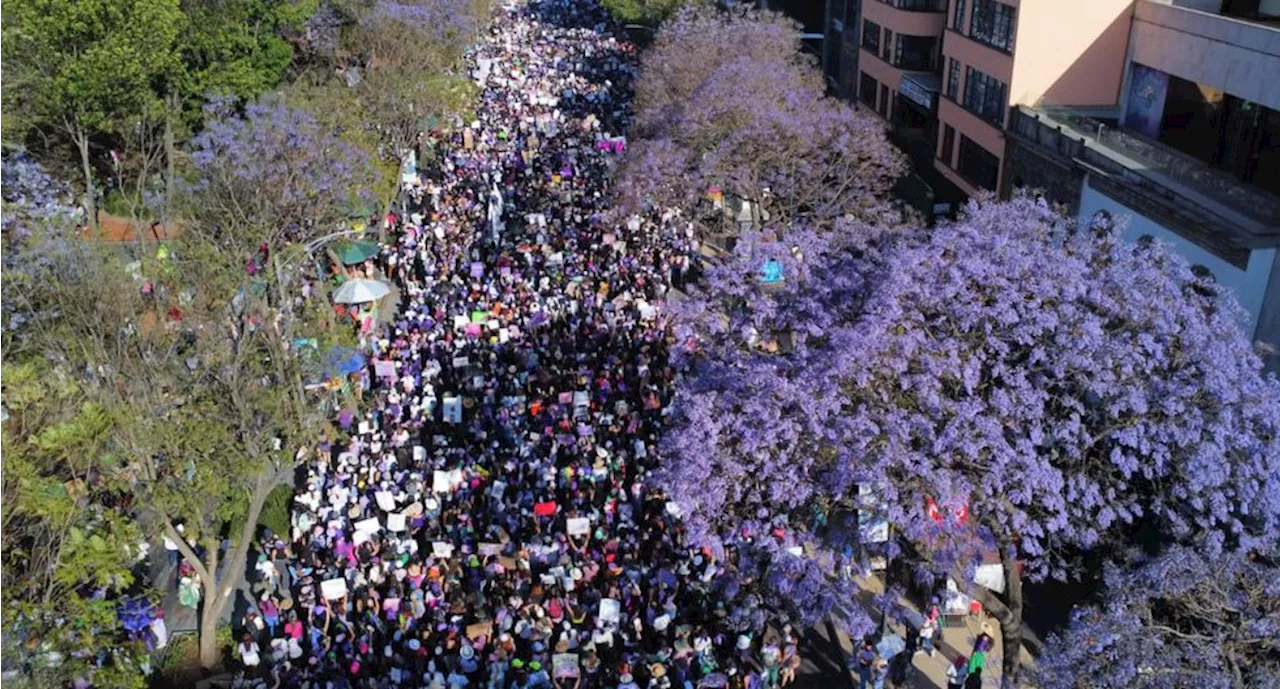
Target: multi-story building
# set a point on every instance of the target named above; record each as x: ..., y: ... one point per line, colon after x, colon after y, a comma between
x: 1189, y: 153
x: 899, y: 63
x: 999, y: 53
x: 1163, y: 113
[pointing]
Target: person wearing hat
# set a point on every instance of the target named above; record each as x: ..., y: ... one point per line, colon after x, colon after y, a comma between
x: 658, y: 678
x: 627, y: 681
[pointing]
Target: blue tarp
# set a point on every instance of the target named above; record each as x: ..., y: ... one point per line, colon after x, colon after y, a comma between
x: 890, y: 646
x: 340, y: 362
x: 771, y: 271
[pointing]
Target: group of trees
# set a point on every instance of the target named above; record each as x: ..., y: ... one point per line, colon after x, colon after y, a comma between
x: 150, y: 385
x: 1007, y: 384
x: 1052, y: 390
x: 143, y: 394
x: 132, y: 78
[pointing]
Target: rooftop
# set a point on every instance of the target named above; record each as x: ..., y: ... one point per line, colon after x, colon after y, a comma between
x: 1213, y: 208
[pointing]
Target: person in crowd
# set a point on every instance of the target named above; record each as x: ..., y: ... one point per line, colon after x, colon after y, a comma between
x: 486, y: 517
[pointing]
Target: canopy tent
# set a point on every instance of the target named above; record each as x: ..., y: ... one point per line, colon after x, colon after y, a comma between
x: 355, y: 252
x: 360, y: 291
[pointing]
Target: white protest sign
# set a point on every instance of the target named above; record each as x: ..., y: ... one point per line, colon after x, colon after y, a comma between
x: 361, y: 537
x: 370, y: 526
x: 610, y: 610
x: 453, y: 410
x: 385, y: 500
x: 564, y: 665
x: 441, y: 549
x: 333, y: 589
x: 419, y: 453
x: 497, y: 489
x: 647, y: 312
x: 385, y: 369
x: 440, y: 482
x: 581, y: 398
x: 395, y: 522
x: 487, y: 549
x: 578, y: 526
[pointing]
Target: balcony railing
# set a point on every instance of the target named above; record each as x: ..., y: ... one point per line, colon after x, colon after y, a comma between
x: 1142, y: 162
x: 918, y: 5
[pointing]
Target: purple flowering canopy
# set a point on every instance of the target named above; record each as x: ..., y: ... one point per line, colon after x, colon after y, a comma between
x: 1055, y: 387
x: 40, y: 244
x: 1181, y: 620
x: 729, y: 100
x: 272, y: 174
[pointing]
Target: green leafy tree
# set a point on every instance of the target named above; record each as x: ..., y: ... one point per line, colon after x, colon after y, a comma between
x: 64, y: 542
x: 230, y: 48
x: 191, y: 360
x: 408, y: 54
x: 646, y: 13
x: 81, y: 68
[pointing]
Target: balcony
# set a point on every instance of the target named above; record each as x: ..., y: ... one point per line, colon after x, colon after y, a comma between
x: 1150, y: 172
x: 1188, y: 38
x: 918, y: 5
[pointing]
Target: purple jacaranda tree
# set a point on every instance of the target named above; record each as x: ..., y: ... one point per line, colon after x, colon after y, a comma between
x: 1180, y: 620
x: 728, y: 101
x: 694, y: 43
x: 1050, y: 388
x: 39, y: 221
x: 272, y: 175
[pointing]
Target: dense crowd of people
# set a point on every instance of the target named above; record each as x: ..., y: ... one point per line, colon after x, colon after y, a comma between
x: 487, y: 522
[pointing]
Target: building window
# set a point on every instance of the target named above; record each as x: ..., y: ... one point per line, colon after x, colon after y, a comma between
x: 993, y: 24
x: 919, y: 5
x: 977, y: 165
x: 916, y: 53
x: 948, y: 143
x: 867, y: 90
x: 953, y: 79
x: 957, y: 21
x: 984, y: 96
x: 887, y: 46
x: 884, y: 101
x: 871, y: 36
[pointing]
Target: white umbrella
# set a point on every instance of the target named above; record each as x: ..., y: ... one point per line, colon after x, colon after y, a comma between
x: 359, y: 291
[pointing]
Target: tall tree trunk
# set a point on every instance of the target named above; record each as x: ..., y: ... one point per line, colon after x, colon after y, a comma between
x: 90, y: 195
x: 209, y: 638
x: 1011, y: 623
x: 170, y: 152
x: 220, y: 587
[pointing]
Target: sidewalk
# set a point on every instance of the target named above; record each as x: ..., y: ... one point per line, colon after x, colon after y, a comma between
x: 826, y: 657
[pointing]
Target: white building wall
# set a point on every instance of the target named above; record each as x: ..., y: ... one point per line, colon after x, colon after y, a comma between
x: 1250, y: 286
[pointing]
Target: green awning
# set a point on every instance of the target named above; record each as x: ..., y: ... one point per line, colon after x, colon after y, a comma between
x: 355, y: 253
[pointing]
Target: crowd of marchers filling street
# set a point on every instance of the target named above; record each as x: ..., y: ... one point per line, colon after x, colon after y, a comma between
x: 487, y: 522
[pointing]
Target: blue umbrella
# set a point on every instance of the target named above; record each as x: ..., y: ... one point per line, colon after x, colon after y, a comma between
x: 343, y: 361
